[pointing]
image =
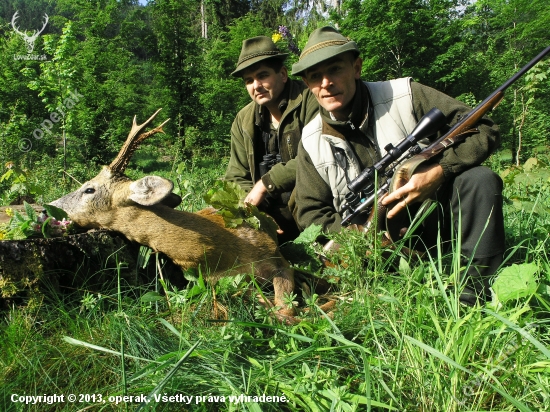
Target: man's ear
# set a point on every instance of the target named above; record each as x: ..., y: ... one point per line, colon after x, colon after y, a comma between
x: 357, y: 66
x: 284, y: 73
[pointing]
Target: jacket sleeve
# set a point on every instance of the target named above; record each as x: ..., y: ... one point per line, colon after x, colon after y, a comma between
x: 475, y: 149
x: 281, y: 178
x: 314, y: 199
x: 238, y: 168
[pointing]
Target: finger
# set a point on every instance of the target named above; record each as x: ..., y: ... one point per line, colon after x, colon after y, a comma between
x: 251, y: 201
x: 399, y: 206
x: 393, y: 197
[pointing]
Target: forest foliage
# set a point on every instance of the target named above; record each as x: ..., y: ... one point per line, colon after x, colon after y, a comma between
x: 124, y: 58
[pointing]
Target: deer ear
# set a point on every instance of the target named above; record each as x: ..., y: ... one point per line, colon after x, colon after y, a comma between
x: 150, y: 190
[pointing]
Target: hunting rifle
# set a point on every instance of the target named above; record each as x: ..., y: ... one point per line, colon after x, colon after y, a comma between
x: 362, y: 190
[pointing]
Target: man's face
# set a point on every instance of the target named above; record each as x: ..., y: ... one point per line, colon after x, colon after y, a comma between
x: 333, y: 83
x: 264, y: 85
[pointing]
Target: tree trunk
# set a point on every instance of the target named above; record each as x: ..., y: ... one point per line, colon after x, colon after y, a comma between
x: 204, y: 25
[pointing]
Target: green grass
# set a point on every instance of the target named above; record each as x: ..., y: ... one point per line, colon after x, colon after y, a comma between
x: 398, y: 340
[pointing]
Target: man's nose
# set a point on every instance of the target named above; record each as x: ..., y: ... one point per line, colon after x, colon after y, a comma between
x: 257, y: 84
x: 326, y: 82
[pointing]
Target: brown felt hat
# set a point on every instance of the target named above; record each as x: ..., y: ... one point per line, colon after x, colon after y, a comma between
x: 255, y: 50
x: 323, y: 44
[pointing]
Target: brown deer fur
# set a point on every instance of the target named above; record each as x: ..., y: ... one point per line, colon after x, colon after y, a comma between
x: 137, y: 210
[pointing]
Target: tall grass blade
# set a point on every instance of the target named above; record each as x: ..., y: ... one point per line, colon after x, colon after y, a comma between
x: 169, y: 376
x: 544, y: 350
x: 294, y: 357
x: 102, y: 349
x: 445, y: 358
x: 172, y: 329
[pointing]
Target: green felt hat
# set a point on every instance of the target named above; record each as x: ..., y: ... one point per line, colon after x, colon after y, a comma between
x: 255, y: 50
x: 323, y: 44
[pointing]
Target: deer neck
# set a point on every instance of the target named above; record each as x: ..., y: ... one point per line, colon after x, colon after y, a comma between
x: 166, y: 230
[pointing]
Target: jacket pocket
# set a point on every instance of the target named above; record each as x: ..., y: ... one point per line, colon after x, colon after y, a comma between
x: 291, y: 140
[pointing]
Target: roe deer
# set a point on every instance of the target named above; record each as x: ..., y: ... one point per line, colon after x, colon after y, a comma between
x: 143, y: 211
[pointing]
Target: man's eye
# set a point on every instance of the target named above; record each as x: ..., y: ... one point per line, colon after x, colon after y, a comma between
x: 314, y: 76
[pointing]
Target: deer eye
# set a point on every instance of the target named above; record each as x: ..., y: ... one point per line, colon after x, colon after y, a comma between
x: 89, y: 191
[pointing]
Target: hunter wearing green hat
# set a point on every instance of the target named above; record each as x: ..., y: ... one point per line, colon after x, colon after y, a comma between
x: 358, y: 119
x: 266, y: 133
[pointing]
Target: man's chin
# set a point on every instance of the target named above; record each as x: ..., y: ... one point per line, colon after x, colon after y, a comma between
x: 332, y: 107
x: 262, y: 100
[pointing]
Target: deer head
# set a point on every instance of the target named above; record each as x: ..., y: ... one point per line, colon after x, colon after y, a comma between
x: 93, y: 205
x: 29, y: 40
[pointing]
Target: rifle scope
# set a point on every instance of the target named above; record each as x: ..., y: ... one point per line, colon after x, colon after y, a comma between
x: 430, y: 123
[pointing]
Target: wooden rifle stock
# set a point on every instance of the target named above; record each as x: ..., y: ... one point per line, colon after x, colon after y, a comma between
x: 463, y: 128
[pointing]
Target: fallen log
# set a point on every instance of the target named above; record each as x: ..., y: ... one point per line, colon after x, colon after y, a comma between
x: 30, y: 268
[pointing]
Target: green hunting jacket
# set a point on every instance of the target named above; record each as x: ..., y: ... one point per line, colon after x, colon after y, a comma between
x: 247, y: 146
x: 314, y: 197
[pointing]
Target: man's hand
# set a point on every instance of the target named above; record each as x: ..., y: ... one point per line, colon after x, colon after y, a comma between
x: 257, y: 194
x: 423, y: 184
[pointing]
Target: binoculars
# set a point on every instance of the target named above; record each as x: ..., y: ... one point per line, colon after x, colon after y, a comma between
x: 269, y: 160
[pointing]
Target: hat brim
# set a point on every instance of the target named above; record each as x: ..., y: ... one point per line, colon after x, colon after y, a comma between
x: 244, y: 65
x: 321, y: 55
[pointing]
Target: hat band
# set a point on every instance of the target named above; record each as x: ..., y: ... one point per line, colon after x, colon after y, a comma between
x: 321, y: 45
x: 251, y: 56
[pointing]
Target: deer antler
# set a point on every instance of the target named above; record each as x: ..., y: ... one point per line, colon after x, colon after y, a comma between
x: 15, y: 17
x: 29, y: 40
x: 37, y: 32
x: 135, y: 137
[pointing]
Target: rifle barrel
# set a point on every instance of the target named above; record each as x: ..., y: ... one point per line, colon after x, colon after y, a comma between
x: 490, y: 102
x: 524, y: 69
x: 512, y: 79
